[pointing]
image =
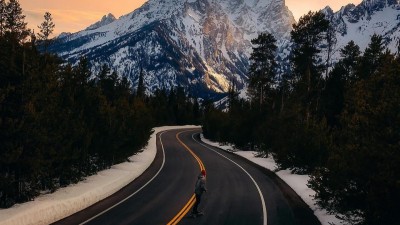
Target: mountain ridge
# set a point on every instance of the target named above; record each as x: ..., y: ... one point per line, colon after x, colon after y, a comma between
x: 360, y: 22
x: 205, y: 45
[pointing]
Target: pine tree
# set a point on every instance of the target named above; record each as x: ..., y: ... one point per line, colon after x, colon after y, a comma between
x: 350, y: 56
x: 2, y: 17
x: 331, y: 42
x: 283, y: 91
x: 46, y: 29
x: 262, y: 72
x: 12, y: 101
x: 141, y: 89
x: 298, y: 137
x: 196, y: 111
x: 233, y: 97
x: 308, y: 34
x: 82, y: 72
x: 339, y: 80
x: 332, y: 102
x: 15, y: 24
x: 360, y: 181
x: 371, y: 59
x: 104, y: 73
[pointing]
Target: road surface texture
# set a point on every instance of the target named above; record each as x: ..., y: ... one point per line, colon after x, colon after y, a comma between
x: 239, y: 192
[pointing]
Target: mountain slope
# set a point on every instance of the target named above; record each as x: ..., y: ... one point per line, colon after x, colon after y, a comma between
x: 360, y: 22
x: 204, y: 45
x: 198, y: 44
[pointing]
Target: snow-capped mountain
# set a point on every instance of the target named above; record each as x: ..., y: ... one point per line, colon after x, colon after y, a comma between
x: 360, y: 22
x: 205, y: 44
x: 199, y: 44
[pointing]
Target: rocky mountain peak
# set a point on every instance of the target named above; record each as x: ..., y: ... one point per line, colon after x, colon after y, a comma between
x: 359, y: 22
x: 199, y: 44
x: 105, y: 20
x: 327, y: 11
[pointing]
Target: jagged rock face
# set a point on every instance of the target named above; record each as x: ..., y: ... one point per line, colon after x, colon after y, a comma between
x: 205, y: 44
x: 104, y: 21
x: 360, y: 22
x: 198, y: 44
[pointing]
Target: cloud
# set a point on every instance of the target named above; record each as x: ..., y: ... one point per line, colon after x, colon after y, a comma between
x: 34, y: 14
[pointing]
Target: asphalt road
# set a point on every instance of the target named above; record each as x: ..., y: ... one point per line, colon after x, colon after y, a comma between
x: 239, y: 192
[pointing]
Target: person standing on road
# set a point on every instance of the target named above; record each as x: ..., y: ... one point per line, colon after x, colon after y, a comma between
x: 199, y: 189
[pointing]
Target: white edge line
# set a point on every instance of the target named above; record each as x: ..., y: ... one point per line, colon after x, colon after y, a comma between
x: 130, y: 196
x: 255, y: 183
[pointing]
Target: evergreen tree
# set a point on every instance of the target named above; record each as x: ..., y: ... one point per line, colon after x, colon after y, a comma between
x: 333, y: 95
x: 297, y: 137
x: 350, y: 56
x: 233, y: 97
x: 46, y: 29
x: 141, y: 89
x: 308, y: 34
x: 2, y: 17
x: 360, y: 181
x: 160, y: 107
x: 196, y: 111
x: 15, y: 24
x: 104, y: 73
x: 398, y: 49
x: 262, y: 72
x: 12, y: 100
x: 339, y: 80
x: 215, y: 123
x: 371, y: 59
x: 82, y: 72
x: 331, y: 42
x: 284, y: 89
x: 179, y: 106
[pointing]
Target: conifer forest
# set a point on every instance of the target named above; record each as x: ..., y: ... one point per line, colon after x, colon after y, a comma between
x: 339, y: 124
x: 59, y: 122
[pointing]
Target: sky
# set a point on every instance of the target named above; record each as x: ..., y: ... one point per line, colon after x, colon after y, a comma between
x: 76, y: 15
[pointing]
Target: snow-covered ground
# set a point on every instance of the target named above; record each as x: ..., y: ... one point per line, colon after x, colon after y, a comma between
x: 297, y: 182
x: 66, y: 201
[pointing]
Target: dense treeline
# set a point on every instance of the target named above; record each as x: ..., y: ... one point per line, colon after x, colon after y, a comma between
x: 342, y: 125
x: 60, y: 123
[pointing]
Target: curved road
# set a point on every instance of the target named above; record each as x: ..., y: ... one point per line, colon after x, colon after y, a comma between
x: 239, y: 192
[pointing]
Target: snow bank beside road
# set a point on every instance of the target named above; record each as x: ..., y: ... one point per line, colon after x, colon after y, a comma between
x: 66, y: 201
x: 297, y: 182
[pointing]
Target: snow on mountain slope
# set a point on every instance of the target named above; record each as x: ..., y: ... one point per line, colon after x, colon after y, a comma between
x: 360, y: 22
x: 198, y: 44
x: 204, y: 45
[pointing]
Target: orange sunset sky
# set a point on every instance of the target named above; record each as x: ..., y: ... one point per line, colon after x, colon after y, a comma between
x: 75, y: 15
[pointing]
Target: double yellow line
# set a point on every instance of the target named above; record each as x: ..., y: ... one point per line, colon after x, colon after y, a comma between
x: 192, y: 200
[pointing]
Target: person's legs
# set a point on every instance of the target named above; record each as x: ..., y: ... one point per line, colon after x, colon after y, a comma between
x: 196, y: 204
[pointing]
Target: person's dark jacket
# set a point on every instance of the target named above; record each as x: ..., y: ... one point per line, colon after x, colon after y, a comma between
x: 200, y: 186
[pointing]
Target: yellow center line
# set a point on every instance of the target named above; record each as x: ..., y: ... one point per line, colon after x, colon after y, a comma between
x: 192, y: 200
x: 183, y: 212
